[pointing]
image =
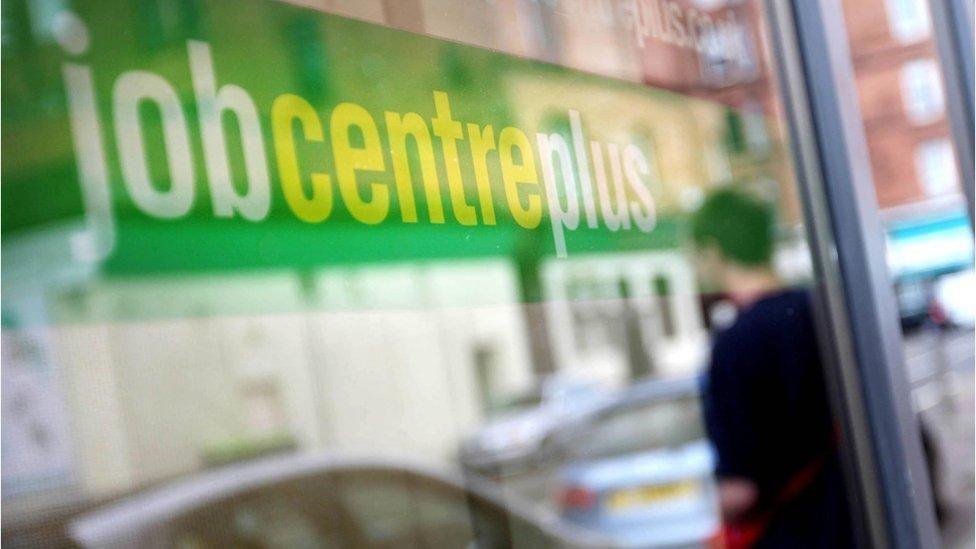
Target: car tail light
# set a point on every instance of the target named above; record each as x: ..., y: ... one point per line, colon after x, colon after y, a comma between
x: 937, y: 313
x: 577, y: 497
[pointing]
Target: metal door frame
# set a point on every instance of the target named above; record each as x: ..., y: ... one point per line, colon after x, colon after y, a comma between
x: 858, y: 322
x: 952, y: 29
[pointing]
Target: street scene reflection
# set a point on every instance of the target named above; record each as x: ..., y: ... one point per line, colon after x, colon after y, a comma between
x: 512, y: 348
x: 929, y: 239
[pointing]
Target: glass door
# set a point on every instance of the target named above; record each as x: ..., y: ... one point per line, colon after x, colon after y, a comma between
x: 425, y: 273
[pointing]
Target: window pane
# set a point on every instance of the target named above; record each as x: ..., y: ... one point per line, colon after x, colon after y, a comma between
x: 536, y: 269
x: 929, y: 240
x: 909, y: 20
x: 937, y: 167
x: 922, y: 91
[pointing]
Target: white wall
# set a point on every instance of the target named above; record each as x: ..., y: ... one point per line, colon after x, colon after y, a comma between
x: 376, y: 360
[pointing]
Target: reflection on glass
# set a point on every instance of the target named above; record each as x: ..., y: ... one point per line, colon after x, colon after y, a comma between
x: 766, y: 406
x: 372, y: 273
x: 929, y: 236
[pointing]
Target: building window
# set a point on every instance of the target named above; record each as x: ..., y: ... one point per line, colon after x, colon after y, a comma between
x: 728, y: 56
x: 936, y: 166
x: 909, y: 19
x: 921, y: 91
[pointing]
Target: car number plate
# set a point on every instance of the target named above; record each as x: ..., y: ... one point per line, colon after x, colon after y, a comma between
x: 633, y: 497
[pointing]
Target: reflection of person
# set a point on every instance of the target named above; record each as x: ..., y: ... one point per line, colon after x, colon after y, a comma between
x: 765, y: 404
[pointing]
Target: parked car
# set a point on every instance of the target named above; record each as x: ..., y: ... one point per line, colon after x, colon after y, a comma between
x: 309, y: 501
x: 633, y: 465
x: 947, y: 300
x: 640, y: 469
x: 954, y: 300
x: 914, y: 299
x: 517, y: 438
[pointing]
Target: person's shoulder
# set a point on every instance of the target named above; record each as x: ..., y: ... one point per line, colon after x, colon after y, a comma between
x: 763, y: 320
x: 736, y: 340
x: 779, y: 306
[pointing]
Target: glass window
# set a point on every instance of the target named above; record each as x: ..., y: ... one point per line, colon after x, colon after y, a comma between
x: 636, y: 427
x: 929, y: 239
x: 290, y: 514
x: 401, y: 509
x: 937, y: 167
x: 443, y: 239
x: 909, y: 20
x: 922, y: 93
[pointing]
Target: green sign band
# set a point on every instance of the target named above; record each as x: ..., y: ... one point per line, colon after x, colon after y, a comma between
x: 320, y: 140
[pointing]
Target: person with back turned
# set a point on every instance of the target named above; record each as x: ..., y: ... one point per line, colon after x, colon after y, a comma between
x: 765, y: 403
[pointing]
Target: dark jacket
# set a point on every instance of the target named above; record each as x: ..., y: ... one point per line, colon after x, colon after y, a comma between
x: 767, y: 415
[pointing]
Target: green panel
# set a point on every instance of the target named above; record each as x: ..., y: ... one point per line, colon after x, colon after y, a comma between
x: 268, y: 49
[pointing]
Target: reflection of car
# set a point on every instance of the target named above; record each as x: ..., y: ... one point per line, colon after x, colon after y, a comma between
x: 306, y: 501
x: 913, y: 303
x: 519, y: 437
x: 954, y: 299
x: 946, y: 300
x: 640, y: 469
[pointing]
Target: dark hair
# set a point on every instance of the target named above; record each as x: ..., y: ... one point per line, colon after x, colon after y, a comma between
x: 738, y: 223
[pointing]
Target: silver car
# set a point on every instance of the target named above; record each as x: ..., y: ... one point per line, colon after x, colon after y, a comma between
x: 640, y: 470
x: 309, y: 501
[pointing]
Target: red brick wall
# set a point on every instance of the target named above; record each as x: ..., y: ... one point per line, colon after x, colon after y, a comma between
x: 892, y: 137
